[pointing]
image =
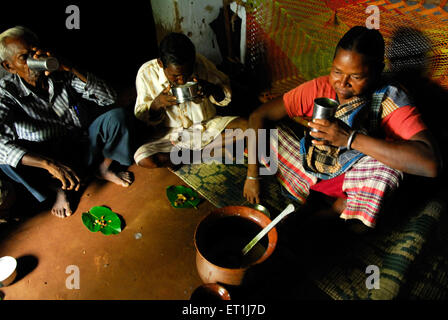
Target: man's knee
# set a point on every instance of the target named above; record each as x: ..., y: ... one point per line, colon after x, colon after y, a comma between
x: 111, y: 123
x: 238, y: 123
x: 7, y: 195
x: 118, y: 116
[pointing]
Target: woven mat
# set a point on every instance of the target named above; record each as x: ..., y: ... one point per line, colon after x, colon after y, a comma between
x: 400, y: 250
x: 223, y: 184
x: 396, y: 251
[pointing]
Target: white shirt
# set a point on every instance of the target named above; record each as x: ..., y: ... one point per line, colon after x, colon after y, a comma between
x: 151, y: 81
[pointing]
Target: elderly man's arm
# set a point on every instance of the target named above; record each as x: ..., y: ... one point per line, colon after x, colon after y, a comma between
x: 85, y: 83
x: 68, y: 178
x: 91, y: 87
x: 15, y: 155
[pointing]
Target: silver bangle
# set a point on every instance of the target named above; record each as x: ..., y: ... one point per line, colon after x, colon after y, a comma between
x: 351, y: 137
x: 252, y: 178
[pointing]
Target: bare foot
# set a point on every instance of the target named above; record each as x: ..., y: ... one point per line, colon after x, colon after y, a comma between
x: 158, y: 160
x: 61, y: 207
x: 124, y: 178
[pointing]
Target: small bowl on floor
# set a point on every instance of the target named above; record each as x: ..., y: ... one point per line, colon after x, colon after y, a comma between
x: 210, y: 292
x: 8, y: 270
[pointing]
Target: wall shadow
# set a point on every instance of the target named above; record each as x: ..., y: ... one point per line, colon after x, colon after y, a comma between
x: 409, y: 54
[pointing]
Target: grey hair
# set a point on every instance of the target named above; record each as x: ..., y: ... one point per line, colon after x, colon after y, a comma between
x: 15, y: 32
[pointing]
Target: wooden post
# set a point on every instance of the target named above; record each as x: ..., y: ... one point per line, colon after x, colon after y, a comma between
x: 227, y: 28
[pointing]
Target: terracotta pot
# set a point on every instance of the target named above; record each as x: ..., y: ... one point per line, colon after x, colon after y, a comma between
x: 217, y: 227
x: 210, y: 292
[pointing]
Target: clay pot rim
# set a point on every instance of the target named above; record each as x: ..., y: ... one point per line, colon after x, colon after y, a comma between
x: 215, y: 287
x: 272, y: 233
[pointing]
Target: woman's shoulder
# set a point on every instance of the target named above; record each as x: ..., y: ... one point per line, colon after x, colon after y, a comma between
x: 394, y: 91
x: 315, y: 84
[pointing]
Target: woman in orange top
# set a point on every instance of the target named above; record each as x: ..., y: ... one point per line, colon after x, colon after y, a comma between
x: 375, y: 137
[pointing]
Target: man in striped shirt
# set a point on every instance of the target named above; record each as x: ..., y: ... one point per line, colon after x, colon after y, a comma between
x: 59, y: 121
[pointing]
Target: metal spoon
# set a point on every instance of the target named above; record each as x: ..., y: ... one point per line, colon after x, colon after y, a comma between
x: 262, y: 233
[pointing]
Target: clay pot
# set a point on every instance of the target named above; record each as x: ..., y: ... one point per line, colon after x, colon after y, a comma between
x: 234, y: 234
x: 210, y: 292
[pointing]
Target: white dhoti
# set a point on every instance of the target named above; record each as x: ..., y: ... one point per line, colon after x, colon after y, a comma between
x: 196, y: 137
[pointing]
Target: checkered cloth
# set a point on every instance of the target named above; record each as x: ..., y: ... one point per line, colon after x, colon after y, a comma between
x: 325, y: 158
x: 366, y: 183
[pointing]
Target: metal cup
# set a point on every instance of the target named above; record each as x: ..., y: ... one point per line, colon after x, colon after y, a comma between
x: 324, y: 108
x: 185, y: 92
x: 43, y: 64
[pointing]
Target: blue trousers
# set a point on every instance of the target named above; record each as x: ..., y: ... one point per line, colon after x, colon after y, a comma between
x: 108, y: 136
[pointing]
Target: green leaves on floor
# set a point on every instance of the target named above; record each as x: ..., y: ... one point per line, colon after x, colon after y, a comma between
x: 182, y: 197
x: 102, y: 219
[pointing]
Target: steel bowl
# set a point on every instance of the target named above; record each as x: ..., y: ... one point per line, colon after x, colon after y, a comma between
x: 8, y: 270
x: 186, y: 92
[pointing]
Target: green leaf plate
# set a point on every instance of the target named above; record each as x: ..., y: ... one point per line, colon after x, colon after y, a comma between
x: 102, y: 219
x: 192, y: 196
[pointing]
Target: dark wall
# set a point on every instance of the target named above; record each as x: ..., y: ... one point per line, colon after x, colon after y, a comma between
x: 115, y: 37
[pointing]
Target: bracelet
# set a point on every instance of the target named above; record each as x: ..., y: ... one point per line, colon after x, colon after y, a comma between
x: 351, y: 137
x: 253, y: 178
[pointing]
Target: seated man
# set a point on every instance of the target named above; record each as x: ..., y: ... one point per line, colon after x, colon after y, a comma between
x: 359, y: 156
x: 173, y: 121
x: 56, y: 121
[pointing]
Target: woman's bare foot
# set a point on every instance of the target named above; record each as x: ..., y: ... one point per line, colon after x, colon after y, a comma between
x: 61, y: 207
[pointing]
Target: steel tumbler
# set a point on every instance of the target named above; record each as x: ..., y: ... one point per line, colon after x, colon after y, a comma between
x: 43, y: 64
x: 324, y: 108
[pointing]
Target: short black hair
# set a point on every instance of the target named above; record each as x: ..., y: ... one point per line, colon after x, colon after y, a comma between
x: 177, y: 49
x: 367, y: 42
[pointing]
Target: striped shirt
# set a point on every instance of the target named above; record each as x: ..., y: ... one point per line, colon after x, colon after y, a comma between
x: 25, y: 115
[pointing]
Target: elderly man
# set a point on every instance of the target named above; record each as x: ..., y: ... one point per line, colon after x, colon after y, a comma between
x: 54, y: 126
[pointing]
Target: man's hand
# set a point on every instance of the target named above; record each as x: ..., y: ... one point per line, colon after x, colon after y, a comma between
x: 251, y: 191
x: 64, y: 65
x: 41, y: 53
x: 332, y: 132
x: 208, y: 89
x: 164, y: 99
x: 68, y: 177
